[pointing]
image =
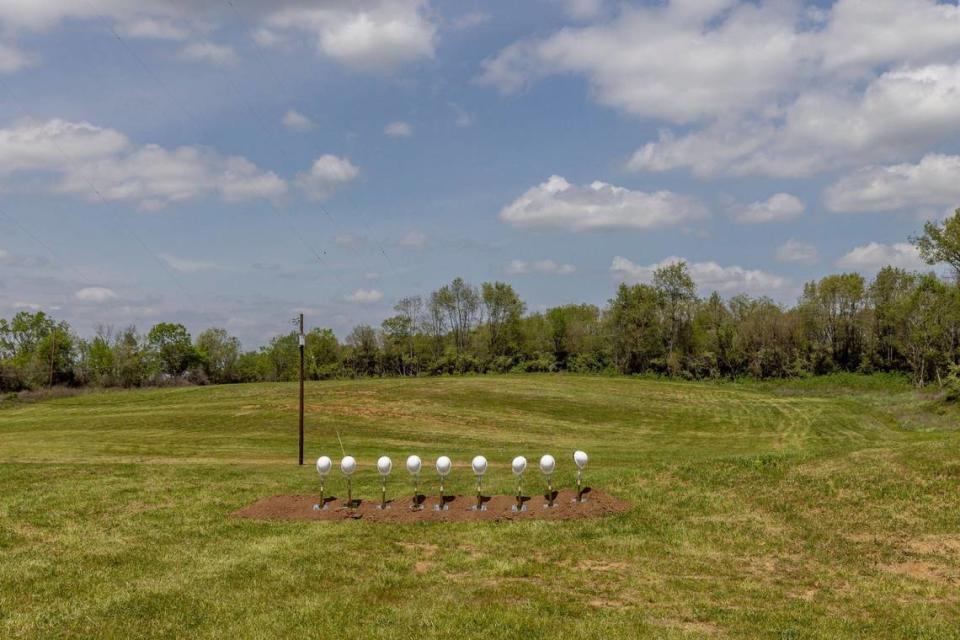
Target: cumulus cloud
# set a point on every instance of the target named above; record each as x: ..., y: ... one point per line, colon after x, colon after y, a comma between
x: 874, y: 255
x: 584, y: 9
x: 55, y: 144
x: 12, y: 59
x: 152, y: 28
x: 557, y: 204
x: 296, y: 121
x: 900, y: 111
x: 463, y: 118
x: 470, y: 20
x: 776, y: 208
x: 209, y: 52
x: 664, y: 63
x: 934, y: 181
x: 709, y: 276
x: 369, y: 35
x: 861, y: 33
x: 350, y: 240
x: 363, y: 34
x: 8, y: 259
x: 545, y: 267
x: 186, y: 265
x: 365, y: 296
x: 95, y: 294
x: 772, y: 88
x: 797, y: 252
x: 89, y: 157
x: 413, y: 240
x: 155, y: 177
x: 326, y: 175
x: 398, y: 130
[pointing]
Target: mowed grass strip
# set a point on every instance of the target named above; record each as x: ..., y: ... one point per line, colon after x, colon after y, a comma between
x: 759, y: 511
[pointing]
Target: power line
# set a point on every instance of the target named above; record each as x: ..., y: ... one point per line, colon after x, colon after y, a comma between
x: 279, y: 78
x: 166, y: 89
x: 166, y: 268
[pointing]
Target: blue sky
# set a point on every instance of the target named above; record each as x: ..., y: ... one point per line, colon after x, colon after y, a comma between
x: 232, y: 163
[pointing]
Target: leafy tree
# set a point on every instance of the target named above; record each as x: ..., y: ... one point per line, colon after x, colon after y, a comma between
x: 217, y: 352
x: 635, y: 330
x: 131, y: 359
x: 888, y: 294
x: 678, y: 295
x: 322, y: 354
x: 575, y: 331
x: 925, y: 324
x: 171, y: 345
x: 459, y: 302
x: 364, y: 351
x: 503, y: 309
x: 941, y: 243
x: 832, y: 310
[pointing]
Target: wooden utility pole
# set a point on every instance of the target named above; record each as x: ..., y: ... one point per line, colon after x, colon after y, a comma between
x: 53, y: 354
x: 302, y: 340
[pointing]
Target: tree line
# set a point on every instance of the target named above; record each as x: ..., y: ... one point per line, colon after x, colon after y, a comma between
x: 900, y: 321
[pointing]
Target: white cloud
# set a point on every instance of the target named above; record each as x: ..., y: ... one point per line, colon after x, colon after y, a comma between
x: 31, y: 306
x: 874, y: 255
x: 781, y: 88
x: 708, y: 276
x: 369, y: 35
x: 296, y: 121
x: 776, y: 208
x: 797, y: 252
x: 88, y: 157
x: 22, y: 261
x: 463, y: 117
x: 861, y: 33
x: 350, y: 240
x: 328, y: 173
x: 934, y: 181
x: 365, y: 296
x: 584, y: 9
x: 12, y: 59
x: 185, y: 265
x: 557, y: 204
x: 470, y: 20
x: 95, y: 294
x: 155, y: 177
x: 269, y: 39
x: 55, y: 144
x: 153, y: 28
x: 899, y: 112
x: 209, y: 52
x: 398, y: 130
x: 545, y: 267
x: 413, y: 240
x: 668, y: 62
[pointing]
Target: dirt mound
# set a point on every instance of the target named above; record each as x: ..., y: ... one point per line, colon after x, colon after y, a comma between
x: 458, y: 508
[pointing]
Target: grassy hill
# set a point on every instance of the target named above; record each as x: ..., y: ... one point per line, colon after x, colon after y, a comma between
x: 818, y: 509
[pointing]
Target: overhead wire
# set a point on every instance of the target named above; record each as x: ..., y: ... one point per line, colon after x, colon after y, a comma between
x: 279, y: 78
x: 96, y: 191
x: 317, y: 255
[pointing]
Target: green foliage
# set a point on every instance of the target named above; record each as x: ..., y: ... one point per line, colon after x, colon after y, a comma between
x: 953, y: 383
x: 170, y: 344
x: 941, y: 242
x: 901, y: 322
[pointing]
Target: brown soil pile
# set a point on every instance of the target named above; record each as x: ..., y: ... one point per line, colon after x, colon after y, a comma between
x: 458, y: 508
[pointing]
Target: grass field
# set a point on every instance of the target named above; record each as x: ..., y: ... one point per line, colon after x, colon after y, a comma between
x: 822, y: 509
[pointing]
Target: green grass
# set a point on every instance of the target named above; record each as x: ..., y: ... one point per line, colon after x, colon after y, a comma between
x: 803, y: 510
